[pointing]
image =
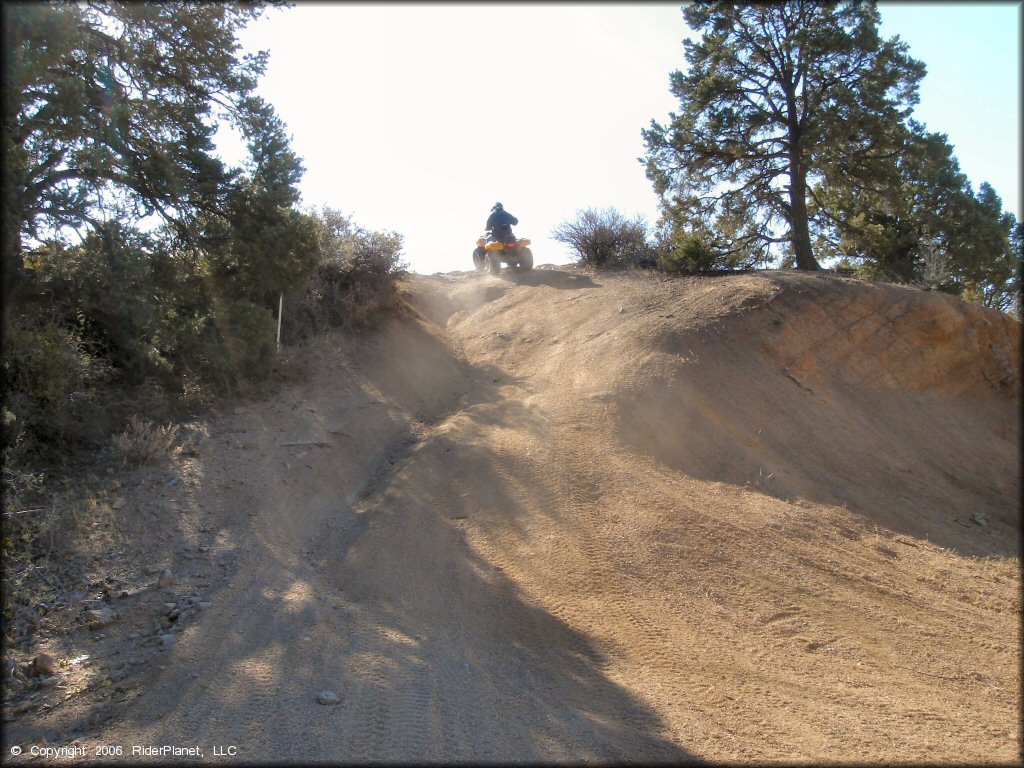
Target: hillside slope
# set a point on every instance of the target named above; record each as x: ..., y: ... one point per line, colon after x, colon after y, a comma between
x: 562, y: 516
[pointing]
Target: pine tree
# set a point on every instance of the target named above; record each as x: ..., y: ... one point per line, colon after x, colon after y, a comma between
x: 778, y: 97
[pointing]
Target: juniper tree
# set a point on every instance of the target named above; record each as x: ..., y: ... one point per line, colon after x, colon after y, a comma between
x: 926, y: 211
x: 110, y: 110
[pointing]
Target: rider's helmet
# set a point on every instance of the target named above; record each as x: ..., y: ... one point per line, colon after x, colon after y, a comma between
x: 497, y: 207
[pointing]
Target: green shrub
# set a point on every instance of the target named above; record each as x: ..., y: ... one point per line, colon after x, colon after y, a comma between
x: 262, y: 249
x: 354, y: 281
x: 121, y: 289
x: 48, y: 376
x: 688, y: 253
x: 234, y: 348
x: 151, y: 310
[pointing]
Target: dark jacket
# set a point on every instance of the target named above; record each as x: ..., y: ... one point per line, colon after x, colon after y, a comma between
x: 501, y: 219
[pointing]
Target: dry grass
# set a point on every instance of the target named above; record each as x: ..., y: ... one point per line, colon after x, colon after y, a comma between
x: 43, y: 529
x: 143, y: 442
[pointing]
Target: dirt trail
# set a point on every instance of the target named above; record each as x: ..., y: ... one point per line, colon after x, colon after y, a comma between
x: 572, y: 517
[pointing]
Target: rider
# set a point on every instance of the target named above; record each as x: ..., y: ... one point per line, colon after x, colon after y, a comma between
x: 500, y: 224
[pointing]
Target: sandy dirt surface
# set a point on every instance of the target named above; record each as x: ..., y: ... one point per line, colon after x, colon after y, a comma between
x: 562, y: 516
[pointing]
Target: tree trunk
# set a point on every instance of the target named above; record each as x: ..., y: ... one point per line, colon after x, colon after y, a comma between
x: 798, y: 224
x: 12, y: 270
x: 12, y: 263
x: 799, y: 228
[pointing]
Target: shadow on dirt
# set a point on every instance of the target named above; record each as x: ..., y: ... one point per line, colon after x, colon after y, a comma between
x: 552, y: 278
x: 355, y: 580
x: 916, y: 464
x: 433, y: 652
x: 462, y: 665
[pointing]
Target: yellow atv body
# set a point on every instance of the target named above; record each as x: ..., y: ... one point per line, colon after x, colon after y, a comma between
x: 490, y: 254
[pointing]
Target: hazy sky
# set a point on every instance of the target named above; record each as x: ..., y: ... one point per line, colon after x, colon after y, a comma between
x: 418, y: 117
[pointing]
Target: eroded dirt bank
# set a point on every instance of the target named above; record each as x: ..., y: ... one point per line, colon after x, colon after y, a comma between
x: 575, y: 517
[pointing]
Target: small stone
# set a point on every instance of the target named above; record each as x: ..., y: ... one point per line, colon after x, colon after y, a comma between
x: 206, y: 604
x: 48, y: 682
x: 327, y: 697
x: 166, y: 579
x: 168, y: 607
x: 134, y: 635
x: 118, y: 503
x: 979, y: 518
x: 168, y: 640
x: 97, y: 619
x: 44, y: 664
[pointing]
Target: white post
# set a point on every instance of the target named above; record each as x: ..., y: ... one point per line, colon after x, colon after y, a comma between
x: 280, y: 307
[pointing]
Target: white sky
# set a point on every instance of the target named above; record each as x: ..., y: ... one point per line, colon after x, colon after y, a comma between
x: 418, y: 117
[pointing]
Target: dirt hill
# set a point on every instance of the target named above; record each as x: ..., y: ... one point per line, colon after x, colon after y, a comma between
x: 564, y: 516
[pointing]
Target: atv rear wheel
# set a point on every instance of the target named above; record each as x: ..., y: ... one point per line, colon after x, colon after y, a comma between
x: 494, y: 263
x: 525, y: 259
x: 480, y: 259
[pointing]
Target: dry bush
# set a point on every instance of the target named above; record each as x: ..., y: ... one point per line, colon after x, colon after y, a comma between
x: 46, y: 533
x: 143, y: 441
x: 607, y: 239
x: 26, y: 510
x: 32, y: 527
x: 350, y: 296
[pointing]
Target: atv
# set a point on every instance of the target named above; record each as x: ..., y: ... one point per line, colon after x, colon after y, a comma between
x: 490, y: 253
